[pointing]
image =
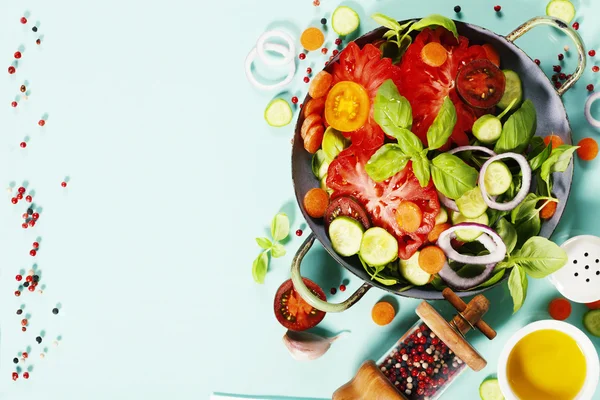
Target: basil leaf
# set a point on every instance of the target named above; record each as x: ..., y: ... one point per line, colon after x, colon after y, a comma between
x: 389, y: 34
x: 436, y: 20
x: 420, y: 166
x: 442, y: 126
x: 386, y: 21
x: 280, y: 227
x: 277, y: 250
x: 528, y: 228
x: 538, y: 160
x: 495, y: 215
x: 526, y: 210
x: 438, y: 283
x: 557, y: 162
x: 391, y: 109
x: 494, y: 279
x: 260, y: 267
x: 517, y: 284
x: 518, y: 130
x: 264, y: 243
x: 540, y: 257
x: 452, y: 176
x: 508, y: 233
x: 536, y: 146
x: 333, y: 143
x: 386, y: 162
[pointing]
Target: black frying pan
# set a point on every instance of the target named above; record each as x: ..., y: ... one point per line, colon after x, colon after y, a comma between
x: 552, y: 117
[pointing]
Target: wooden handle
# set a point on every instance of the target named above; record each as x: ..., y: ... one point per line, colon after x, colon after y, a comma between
x: 368, y: 384
x: 473, y: 312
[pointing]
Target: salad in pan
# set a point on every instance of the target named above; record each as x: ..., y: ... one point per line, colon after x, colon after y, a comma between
x: 429, y: 166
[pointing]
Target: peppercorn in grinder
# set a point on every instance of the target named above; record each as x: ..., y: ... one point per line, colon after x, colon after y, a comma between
x: 426, y: 359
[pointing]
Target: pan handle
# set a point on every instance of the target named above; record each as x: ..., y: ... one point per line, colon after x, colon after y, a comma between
x: 308, y: 296
x: 557, y: 23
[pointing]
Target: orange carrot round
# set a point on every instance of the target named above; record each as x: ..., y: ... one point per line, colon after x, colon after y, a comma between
x: 383, y: 313
x: 594, y: 305
x: 588, y: 149
x: 432, y: 259
x: 312, y: 39
x: 554, y: 139
x: 492, y: 54
x: 315, y: 202
x: 320, y: 85
x: 314, y: 106
x: 559, y: 309
x: 309, y: 122
x: 434, y: 54
x: 314, y: 138
x: 437, y: 231
x: 548, y: 210
x: 409, y: 216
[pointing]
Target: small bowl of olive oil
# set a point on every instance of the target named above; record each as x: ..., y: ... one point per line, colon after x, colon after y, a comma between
x: 548, y: 360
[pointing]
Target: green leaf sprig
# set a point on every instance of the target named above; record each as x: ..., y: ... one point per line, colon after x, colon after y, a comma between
x: 280, y: 229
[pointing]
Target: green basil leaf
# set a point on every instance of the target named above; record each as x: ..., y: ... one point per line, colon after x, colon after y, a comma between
x: 442, y: 126
x: 528, y: 228
x: 518, y: 130
x: 527, y: 209
x: 390, y: 34
x: 508, y: 233
x: 408, y: 141
x: 420, y: 166
x: 277, y: 250
x: 542, y: 188
x: 280, y: 227
x: 260, y: 267
x: 264, y: 243
x: 494, y: 279
x: 540, y: 257
x: 517, y: 284
x: 538, y: 160
x: 438, y: 283
x: 557, y: 162
x: 391, y: 109
x: 386, y: 162
x: 536, y: 146
x: 436, y: 20
x: 495, y: 215
x: 452, y: 176
x: 333, y: 143
x: 386, y: 21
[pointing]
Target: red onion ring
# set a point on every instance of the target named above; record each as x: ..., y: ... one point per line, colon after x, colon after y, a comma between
x: 489, y: 239
x: 472, y: 148
x: 525, y: 185
x: 461, y: 283
x: 588, y: 110
x: 447, y: 202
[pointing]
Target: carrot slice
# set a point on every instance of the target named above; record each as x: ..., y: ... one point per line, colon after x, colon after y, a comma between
x: 559, y: 309
x: 548, y: 210
x: 383, y: 313
x: 437, y: 231
x: 314, y: 106
x: 320, y: 85
x: 434, y: 54
x: 314, y: 138
x: 309, y: 122
x: 588, y: 149
x: 312, y: 39
x: 315, y: 202
x: 432, y: 259
x: 409, y: 216
x: 492, y: 54
x: 554, y: 139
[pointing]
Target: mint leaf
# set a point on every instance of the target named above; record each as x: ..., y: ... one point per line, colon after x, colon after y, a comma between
x: 280, y: 227
x: 260, y: 267
x: 442, y: 126
x: 386, y: 162
x: 517, y: 285
x: 264, y: 243
x: 277, y: 250
x: 539, y: 257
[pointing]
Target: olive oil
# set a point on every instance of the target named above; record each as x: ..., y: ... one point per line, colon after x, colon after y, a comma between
x: 546, y: 364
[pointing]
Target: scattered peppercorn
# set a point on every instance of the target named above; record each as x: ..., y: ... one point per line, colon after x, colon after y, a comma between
x: 335, y: 52
x: 17, y: 54
x: 342, y: 288
x: 23, y: 88
x: 557, y: 68
x: 302, y: 56
x: 24, y: 323
x: 324, y: 50
x: 41, y: 122
x: 562, y: 76
x: 576, y: 25
x: 338, y: 41
x: 24, y: 225
x: 32, y: 253
x: 323, y: 21
x: 592, y: 53
x: 19, y: 311
x: 19, y: 277
x: 36, y: 278
x: 497, y: 8
x: 29, y: 278
x: 25, y: 355
x: 17, y: 293
x: 595, y: 68
x: 333, y: 290
x: 25, y: 284
x: 299, y: 232
x: 538, y: 62
x: 590, y: 87
x: 561, y: 57
x: 38, y: 339
x: 55, y: 311
x: 294, y: 100
x: 36, y: 215
x: 34, y: 29
x: 16, y: 360
x: 309, y: 70
x: 15, y: 376
x: 306, y: 80
x: 554, y: 78
x: 557, y: 84
x: 26, y: 375
x: 29, y: 199
x: 11, y: 70
x: 457, y: 9
x: 14, y: 104
x: 23, y: 329
x: 316, y: 3
x: 23, y: 20
x: 38, y: 42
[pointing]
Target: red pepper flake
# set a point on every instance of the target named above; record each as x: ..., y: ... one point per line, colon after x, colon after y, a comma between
x: 302, y: 56
x: 299, y: 232
x: 590, y: 87
x: 497, y: 8
x: 595, y: 68
x: 294, y: 100
x: 576, y: 25
x: 11, y: 70
x: 592, y: 53
x: 342, y: 288
x: 17, y: 54
x: 41, y: 122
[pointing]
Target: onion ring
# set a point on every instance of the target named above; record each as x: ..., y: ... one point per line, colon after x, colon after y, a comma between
x: 472, y: 148
x: 588, y: 110
x: 489, y: 239
x: 447, y: 202
x: 250, y: 75
x: 525, y: 185
x: 261, y: 49
x: 458, y: 282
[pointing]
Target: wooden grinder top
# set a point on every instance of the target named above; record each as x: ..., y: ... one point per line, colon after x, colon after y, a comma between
x: 469, y: 316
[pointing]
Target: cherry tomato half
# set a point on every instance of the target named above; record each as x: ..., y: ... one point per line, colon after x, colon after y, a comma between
x: 292, y: 311
x: 480, y: 83
x: 347, y: 106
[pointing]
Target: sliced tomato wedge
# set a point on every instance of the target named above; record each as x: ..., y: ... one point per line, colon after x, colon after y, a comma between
x: 292, y: 311
x: 425, y: 86
x: 480, y: 83
x: 347, y: 177
x: 347, y: 107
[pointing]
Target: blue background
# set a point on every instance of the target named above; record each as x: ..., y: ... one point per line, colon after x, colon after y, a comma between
x: 173, y: 173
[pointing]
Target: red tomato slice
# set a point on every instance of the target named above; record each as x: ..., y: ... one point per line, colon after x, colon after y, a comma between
x: 481, y: 84
x: 425, y: 86
x: 347, y: 177
x: 292, y: 311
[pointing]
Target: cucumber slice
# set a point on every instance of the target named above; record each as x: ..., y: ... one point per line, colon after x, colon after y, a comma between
x: 471, y: 203
x: 497, y: 178
x: 320, y: 164
x: 442, y: 216
x: 468, y: 235
x: 512, y: 91
x: 333, y: 143
x: 490, y: 390
x: 278, y: 113
x: 344, y: 20
x: 591, y: 321
x: 487, y: 129
x: 323, y: 185
x: 412, y: 272
x: 561, y: 9
x: 378, y: 247
x: 346, y: 235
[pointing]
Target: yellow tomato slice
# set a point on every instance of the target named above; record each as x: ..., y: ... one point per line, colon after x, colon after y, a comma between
x: 347, y: 106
